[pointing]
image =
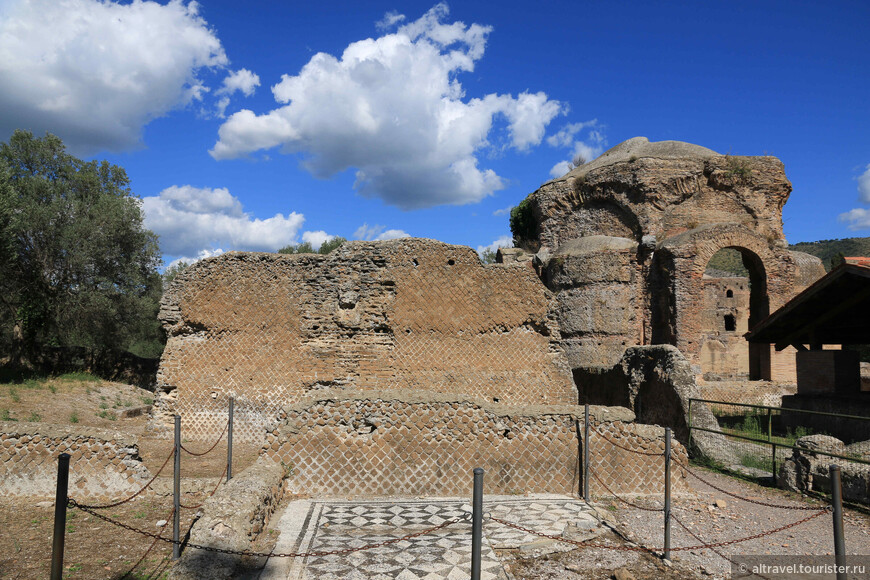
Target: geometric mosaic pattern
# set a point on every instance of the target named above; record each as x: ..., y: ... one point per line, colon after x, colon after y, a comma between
x: 443, y: 554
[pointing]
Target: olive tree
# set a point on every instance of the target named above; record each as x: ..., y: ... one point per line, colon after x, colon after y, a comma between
x: 77, y: 268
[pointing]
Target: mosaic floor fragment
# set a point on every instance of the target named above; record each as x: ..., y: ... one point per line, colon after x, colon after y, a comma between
x: 314, y: 525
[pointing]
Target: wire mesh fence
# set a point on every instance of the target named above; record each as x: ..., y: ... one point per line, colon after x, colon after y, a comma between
x: 758, y: 440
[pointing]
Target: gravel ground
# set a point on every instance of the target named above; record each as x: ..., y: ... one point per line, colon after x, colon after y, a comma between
x: 714, y: 517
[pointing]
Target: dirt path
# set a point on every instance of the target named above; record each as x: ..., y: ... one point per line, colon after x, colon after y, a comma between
x: 698, y: 510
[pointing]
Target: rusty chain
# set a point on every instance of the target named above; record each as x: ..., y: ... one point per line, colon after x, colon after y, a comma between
x: 146, y: 486
x: 589, y: 544
x: 755, y: 501
x: 579, y: 543
x: 151, y: 547
x: 615, y: 444
x: 714, y: 550
x: 210, y: 449
x: 72, y: 503
x: 213, y: 491
x: 623, y: 500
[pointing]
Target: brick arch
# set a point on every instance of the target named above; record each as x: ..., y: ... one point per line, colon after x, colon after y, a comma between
x: 772, y: 272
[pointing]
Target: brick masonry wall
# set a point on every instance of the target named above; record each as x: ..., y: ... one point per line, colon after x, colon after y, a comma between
x: 413, y: 444
x: 104, y: 464
x: 273, y: 329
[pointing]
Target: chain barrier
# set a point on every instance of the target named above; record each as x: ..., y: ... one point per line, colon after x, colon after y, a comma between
x: 714, y: 550
x: 146, y: 486
x: 623, y: 500
x: 210, y: 449
x: 579, y: 543
x: 213, y: 491
x: 755, y: 501
x: 635, y: 451
x: 74, y: 504
x: 151, y: 547
x: 589, y: 544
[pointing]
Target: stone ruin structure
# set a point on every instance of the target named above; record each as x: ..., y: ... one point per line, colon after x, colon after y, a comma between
x: 387, y: 367
x: 624, y: 242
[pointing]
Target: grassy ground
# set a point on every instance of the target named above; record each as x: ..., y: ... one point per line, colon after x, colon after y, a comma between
x: 95, y: 549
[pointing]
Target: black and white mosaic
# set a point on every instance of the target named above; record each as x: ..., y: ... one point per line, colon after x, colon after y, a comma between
x: 311, y: 525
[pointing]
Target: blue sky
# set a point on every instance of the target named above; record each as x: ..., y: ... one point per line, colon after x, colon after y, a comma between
x: 255, y: 125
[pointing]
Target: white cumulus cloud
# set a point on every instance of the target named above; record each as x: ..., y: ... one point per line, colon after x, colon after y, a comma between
x: 94, y: 72
x: 202, y: 255
x: 316, y: 239
x: 393, y: 109
x: 191, y: 219
x: 858, y: 218
x: 864, y: 186
x: 378, y: 233
x: 242, y: 81
x: 583, y: 150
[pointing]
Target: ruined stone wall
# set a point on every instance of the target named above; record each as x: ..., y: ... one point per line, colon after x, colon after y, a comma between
x: 599, y: 301
x: 660, y: 189
x: 679, y: 204
x: 104, y: 464
x: 724, y: 352
x: 272, y: 329
x: 415, y: 444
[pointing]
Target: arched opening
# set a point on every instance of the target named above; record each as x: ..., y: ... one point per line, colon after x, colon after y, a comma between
x: 663, y: 304
x: 734, y: 300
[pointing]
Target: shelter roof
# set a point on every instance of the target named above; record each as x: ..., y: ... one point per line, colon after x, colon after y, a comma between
x: 834, y: 310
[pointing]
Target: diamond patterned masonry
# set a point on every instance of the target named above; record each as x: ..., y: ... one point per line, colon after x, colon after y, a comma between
x: 444, y: 554
x: 273, y: 330
x: 104, y: 464
x: 399, y: 443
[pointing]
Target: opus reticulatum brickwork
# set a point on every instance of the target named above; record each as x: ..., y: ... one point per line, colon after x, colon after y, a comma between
x: 104, y: 464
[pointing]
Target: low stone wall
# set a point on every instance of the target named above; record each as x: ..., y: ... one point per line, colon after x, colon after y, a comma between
x: 406, y: 443
x: 750, y: 392
x: 104, y: 464
x: 807, y: 470
x: 618, y: 456
x: 231, y: 520
x: 656, y: 382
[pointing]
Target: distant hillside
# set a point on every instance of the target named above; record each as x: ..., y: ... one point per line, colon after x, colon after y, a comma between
x: 729, y: 260
x: 726, y: 260
x: 827, y: 249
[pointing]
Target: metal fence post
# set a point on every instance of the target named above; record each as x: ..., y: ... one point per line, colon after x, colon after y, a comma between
x: 476, y: 523
x: 839, y: 540
x: 689, y: 446
x: 60, y: 499
x: 586, y: 452
x: 773, y: 461
x: 176, y: 492
x: 230, y: 441
x: 667, y: 493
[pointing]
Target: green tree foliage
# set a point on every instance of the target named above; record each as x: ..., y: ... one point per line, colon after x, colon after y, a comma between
x: 522, y: 223
x: 727, y: 260
x: 172, y: 272
x: 488, y: 256
x: 306, y: 248
x: 77, y: 266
